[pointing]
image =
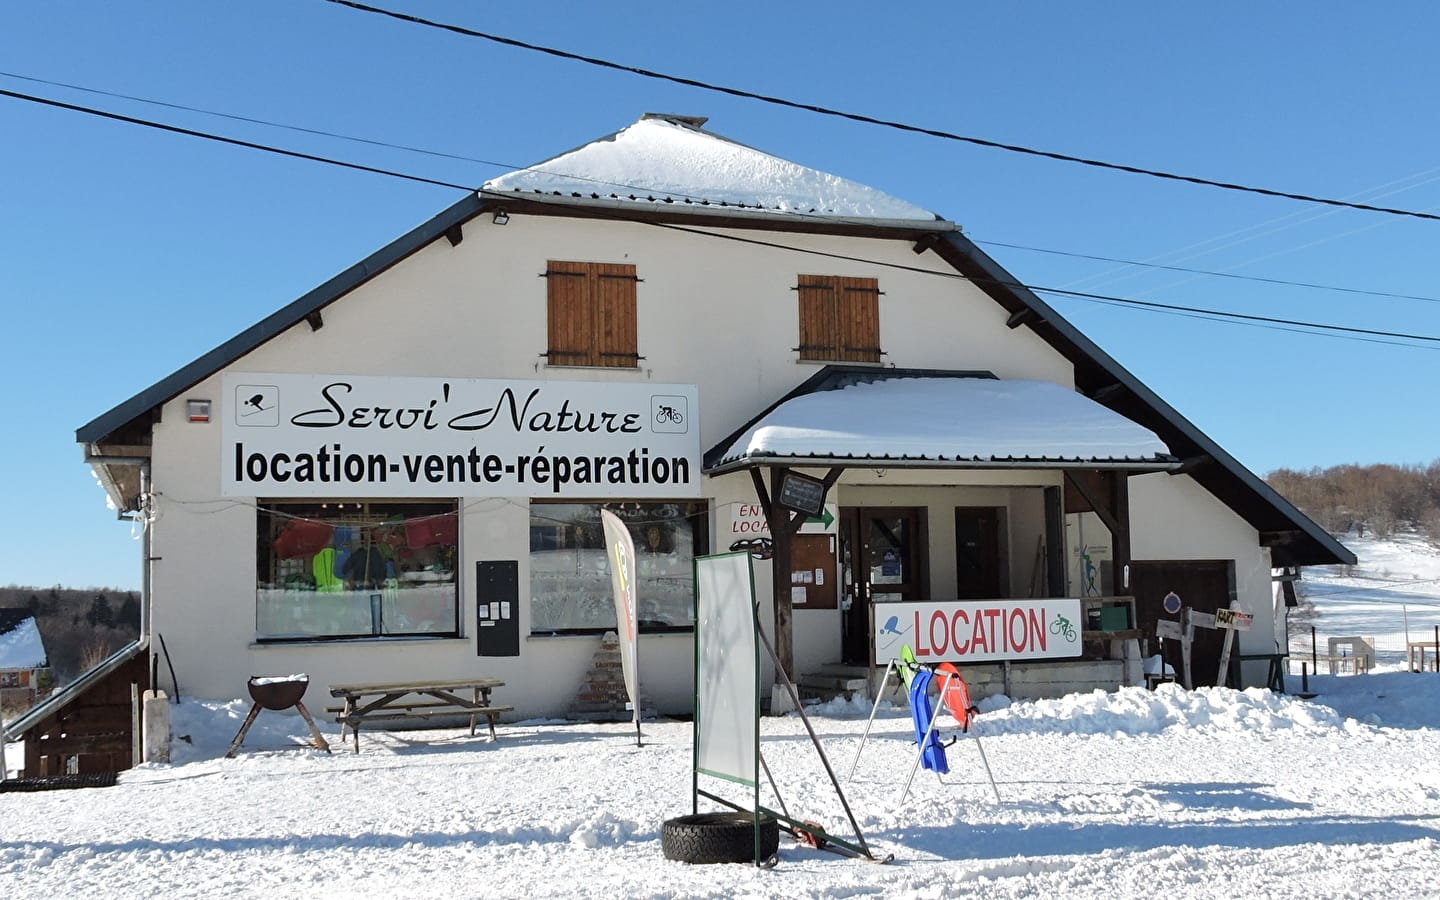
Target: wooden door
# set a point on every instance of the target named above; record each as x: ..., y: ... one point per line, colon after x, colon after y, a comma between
x: 1203, y: 586
x: 977, y: 553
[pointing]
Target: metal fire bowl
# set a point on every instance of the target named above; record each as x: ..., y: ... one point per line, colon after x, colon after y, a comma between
x: 277, y: 694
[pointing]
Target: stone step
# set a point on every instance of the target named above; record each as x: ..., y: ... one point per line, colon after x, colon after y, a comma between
x: 824, y: 682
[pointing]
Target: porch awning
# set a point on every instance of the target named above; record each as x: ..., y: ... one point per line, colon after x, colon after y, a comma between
x: 943, y: 422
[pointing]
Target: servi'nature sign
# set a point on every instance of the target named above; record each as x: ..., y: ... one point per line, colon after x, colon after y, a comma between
x: 377, y: 436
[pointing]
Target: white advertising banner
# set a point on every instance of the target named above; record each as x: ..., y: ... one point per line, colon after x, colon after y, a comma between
x: 727, y: 669
x: 379, y: 436
x: 978, y: 630
x: 620, y: 548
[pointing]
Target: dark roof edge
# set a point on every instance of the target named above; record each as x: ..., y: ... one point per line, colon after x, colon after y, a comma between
x: 274, y: 324
x: 15, y: 730
x: 1004, y: 281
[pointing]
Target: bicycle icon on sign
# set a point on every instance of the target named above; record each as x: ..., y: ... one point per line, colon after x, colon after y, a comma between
x: 1062, y: 627
x: 669, y: 414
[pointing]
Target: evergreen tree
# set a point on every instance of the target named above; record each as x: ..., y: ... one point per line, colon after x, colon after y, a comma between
x: 129, y: 616
x: 101, y: 615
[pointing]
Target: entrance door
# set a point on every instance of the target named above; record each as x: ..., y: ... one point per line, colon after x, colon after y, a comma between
x: 1202, y: 585
x: 977, y: 553
x: 882, y: 555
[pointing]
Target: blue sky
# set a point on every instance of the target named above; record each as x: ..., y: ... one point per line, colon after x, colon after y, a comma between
x: 126, y: 252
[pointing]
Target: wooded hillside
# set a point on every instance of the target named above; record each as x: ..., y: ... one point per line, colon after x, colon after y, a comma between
x: 1377, y: 498
x: 79, y: 627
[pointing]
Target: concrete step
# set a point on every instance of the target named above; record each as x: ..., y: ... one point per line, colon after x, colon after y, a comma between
x: 831, y: 681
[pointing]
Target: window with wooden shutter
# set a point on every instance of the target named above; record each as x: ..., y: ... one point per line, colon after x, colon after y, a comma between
x: 839, y: 318
x: 591, y: 314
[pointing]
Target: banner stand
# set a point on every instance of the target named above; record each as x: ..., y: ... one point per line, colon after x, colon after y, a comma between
x: 727, y: 704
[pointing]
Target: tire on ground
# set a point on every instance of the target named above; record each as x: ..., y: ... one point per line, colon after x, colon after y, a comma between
x: 718, y: 838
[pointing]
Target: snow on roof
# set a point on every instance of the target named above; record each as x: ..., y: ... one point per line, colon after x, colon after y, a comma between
x: 21, y: 647
x: 948, y: 419
x: 670, y: 159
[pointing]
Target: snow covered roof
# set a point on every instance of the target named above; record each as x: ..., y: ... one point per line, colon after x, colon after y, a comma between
x: 671, y: 161
x: 20, y: 643
x: 951, y: 420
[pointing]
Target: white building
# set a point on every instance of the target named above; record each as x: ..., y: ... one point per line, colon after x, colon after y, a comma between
x: 398, y: 475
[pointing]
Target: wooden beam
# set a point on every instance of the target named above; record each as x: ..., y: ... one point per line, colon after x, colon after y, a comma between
x: 1108, y: 495
x: 120, y: 450
x: 928, y: 242
x: 455, y: 234
x: 1107, y: 392
x: 314, y: 320
x: 781, y: 533
x: 1021, y: 316
x: 1191, y: 463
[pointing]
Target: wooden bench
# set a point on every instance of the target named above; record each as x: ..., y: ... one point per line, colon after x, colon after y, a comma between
x: 394, y: 701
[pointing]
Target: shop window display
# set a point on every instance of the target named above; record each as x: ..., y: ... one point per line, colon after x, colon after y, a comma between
x: 356, y: 569
x: 570, y: 591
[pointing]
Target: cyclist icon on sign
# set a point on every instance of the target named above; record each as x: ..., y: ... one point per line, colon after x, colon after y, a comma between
x: 668, y: 413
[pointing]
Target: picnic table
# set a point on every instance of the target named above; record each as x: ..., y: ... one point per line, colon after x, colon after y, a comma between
x: 415, y: 700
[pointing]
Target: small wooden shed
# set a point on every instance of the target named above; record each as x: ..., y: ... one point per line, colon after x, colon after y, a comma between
x: 89, y: 726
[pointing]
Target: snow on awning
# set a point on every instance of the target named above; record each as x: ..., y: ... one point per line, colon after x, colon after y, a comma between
x: 947, y: 421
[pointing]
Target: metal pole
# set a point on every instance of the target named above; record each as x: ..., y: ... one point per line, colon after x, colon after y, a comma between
x: 879, y: 695
x: 988, y: 774
x: 1314, y: 659
x: 814, y: 739
x: 921, y: 754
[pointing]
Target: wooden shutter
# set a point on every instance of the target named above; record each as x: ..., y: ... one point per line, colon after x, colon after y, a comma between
x: 615, y: 342
x: 569, y: 313
x: 591, y: 314
x: 817, y: 310
x: 858, y: 321
x: 839, y: 318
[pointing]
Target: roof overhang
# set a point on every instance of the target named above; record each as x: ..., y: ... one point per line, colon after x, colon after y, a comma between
x: 854, y: 416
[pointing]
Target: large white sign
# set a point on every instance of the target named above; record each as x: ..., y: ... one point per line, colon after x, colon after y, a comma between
x: 978, y: 630
x: 377, y: 436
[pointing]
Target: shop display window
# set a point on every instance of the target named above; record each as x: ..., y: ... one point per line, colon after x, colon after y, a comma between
x: 356, y: 569
x: 570, y: 589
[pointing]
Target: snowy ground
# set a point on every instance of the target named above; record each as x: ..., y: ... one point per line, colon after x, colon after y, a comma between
x: 1212, y: 793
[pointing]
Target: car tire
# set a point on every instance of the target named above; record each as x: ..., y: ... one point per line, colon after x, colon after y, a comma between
x: 719, y: 838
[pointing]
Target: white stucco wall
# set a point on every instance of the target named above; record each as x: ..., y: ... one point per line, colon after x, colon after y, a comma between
x: 715, y: 313
x: 1173, y: 517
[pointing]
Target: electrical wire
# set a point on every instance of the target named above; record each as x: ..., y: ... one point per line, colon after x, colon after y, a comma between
x: 871, y: 120
x: 251, y: 145
x: 1333, y: 330
x: 1257, y: 278
x: 513, y: 166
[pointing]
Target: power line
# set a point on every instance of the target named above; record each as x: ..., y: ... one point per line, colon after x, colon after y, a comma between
x: 189, y: 132
x: 1261, y: 279
x: 512, y: 166
x: 871, y: 120
x: 254, y: 121
x: 1337, y: 330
